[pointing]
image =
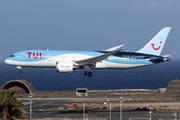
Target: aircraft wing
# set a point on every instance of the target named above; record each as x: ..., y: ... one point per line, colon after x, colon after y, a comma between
x: 94, y: 60
x: 115, y: 48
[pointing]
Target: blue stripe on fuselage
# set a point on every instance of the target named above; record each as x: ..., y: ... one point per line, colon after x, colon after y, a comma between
x: 129, y: 61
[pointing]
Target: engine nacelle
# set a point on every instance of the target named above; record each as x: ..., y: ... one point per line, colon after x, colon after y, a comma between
x: 64, y: 67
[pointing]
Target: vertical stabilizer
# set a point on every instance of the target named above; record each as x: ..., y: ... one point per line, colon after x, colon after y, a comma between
x: 156, y: 44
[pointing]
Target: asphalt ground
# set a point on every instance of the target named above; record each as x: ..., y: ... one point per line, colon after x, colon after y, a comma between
x: 104, y: 114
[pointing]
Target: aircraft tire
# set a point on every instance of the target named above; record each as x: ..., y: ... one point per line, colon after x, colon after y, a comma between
x: 85, y: 73
x: 90, y: 74
x: 20, y: 71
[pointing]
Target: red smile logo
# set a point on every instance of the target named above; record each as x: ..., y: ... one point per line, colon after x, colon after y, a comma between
x: 156, y: 48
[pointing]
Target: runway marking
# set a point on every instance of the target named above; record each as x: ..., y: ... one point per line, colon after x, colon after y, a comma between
x: 47, y: 103
x: 165, y: 114
x: 34, y: 105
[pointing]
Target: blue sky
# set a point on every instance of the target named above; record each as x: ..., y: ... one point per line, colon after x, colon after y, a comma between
x: 86, y: 24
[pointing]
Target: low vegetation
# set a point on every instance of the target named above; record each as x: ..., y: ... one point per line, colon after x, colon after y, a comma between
x: 133, y: 95
x: 10, y: 107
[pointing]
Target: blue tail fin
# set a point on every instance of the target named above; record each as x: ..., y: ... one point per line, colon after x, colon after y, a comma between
x: 156, y: 44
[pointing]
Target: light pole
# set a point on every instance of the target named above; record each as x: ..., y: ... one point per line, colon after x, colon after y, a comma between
x: 150, y: 115
x: 109, y: 109
x: 120, y: 114
x: 30, y: 108
x: 175, y: 114
x: 83, y: 111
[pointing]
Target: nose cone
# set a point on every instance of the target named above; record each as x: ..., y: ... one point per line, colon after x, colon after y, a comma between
x: 7, y: 61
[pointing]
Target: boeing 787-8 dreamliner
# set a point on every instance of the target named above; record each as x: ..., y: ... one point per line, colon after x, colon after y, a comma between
x: 112, y: 58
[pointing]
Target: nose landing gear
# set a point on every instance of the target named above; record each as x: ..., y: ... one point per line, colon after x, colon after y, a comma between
x: 20, y: 70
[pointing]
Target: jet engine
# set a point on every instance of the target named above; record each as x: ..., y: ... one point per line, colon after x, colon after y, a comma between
x: 64, y: 67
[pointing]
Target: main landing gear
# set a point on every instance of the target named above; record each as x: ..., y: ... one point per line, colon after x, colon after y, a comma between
x: 89, y: 74
x: 20, y: 70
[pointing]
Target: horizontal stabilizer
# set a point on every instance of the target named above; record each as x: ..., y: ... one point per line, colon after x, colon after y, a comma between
x: 164, y: 57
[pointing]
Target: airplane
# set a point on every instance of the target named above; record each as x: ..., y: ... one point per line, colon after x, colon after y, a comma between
x: 66, y: 61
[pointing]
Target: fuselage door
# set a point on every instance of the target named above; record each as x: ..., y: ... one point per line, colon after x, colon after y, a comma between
x: 49, y: 60
x: 22, y: 56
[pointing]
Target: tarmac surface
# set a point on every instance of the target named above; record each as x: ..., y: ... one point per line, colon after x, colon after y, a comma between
x: 48, y: 108
x: 104, y: 115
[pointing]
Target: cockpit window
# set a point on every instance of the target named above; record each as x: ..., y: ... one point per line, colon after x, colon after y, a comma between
x: 12, y: 56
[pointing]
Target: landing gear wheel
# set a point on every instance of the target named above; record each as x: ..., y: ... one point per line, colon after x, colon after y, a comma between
x: 85, y: 73
x: 89, y: 74
x: 20, y: 71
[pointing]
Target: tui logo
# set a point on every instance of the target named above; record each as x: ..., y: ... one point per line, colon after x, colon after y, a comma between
x: 34, y: 55
x: 156, y: 48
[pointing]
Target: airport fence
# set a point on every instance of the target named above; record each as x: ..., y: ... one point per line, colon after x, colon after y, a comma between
x: 72, y: 119
x: 139, y: 118
x: 149, y: 119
